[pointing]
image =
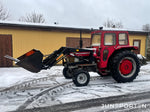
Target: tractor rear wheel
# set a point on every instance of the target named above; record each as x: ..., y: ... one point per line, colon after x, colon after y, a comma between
x: 67, y: 73
x: 81, y: 78
x: 125, y: 67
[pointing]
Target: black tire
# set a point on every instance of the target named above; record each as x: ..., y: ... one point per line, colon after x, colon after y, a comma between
x: 81, y: 78
x: 125, y: 67
x: 67, y: 74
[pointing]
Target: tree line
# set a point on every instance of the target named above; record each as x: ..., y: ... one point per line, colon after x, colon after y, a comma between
x: 32, y: 17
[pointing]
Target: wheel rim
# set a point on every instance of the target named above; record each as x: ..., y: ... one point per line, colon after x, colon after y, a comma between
x: 127, y: 67
x: 82, y: 78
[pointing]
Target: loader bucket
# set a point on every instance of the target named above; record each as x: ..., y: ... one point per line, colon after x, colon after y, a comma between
x: 31, y: 61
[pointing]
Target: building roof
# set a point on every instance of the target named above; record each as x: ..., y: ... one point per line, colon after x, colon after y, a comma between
x: 38, y: 26
x: 48, y: 27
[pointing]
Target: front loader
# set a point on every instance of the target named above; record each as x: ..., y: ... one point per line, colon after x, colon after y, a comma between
x: 109, y: 54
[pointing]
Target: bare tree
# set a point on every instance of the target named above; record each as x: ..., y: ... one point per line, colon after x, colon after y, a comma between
x: 146, y: 27
x: 4, y: 14
x: 33, y: 18
x: 112, y: 24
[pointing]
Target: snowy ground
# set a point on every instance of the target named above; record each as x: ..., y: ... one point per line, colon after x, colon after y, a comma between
x: 98, y: 88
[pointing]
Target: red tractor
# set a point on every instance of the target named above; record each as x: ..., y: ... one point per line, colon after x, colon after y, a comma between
x: 109, y: 54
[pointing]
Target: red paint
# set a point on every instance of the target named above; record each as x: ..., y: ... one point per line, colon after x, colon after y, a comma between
x: 125, y: 67
x: 30, y: 53
x: 111, y: 48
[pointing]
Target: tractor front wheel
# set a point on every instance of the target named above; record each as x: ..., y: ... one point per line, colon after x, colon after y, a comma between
x: 125, y: 67
x: 81, y: 78
x: 67, y: 73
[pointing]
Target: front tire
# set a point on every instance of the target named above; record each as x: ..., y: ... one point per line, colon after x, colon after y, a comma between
x: 67, y: 73
x: 81, y: 78
x: 126, y: 67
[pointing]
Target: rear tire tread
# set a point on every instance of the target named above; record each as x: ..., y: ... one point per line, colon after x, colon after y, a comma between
x: 115, y: 63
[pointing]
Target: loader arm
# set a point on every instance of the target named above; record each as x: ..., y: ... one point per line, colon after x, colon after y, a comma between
x: 60, y: 54
x: 33, y: 60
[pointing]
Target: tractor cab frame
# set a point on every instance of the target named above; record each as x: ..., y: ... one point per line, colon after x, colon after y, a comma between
x: 107, y: 44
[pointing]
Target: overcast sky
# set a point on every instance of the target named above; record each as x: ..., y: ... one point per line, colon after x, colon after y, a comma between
x: 91, y: 13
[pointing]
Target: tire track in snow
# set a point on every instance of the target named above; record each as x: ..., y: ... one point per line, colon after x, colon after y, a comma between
x: 53, y: 91
x: 28, y: 84
x: 50, y: 91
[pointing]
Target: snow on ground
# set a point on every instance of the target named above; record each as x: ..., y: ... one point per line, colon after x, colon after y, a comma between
x: 16, y: 75
x: 103, y: 87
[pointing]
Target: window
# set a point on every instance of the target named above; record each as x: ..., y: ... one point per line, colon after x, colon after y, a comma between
x: 110, y: 39
x: 137, y: 43
x: 123, y: 39
x: 96, y: 40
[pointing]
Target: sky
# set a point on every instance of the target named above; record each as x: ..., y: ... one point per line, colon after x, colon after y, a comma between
x: 133, y: 14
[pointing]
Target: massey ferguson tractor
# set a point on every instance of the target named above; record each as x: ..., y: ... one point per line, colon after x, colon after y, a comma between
x: 109, y: 54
